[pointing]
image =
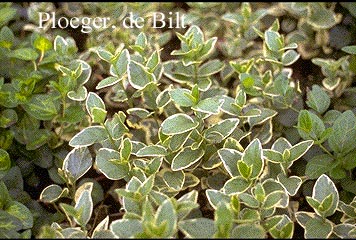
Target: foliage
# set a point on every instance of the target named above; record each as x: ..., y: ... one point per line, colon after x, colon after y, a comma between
x: 213, y: 131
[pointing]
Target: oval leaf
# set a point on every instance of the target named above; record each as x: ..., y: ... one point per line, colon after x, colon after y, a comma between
x: 186, y: 157
x: 178, y: 123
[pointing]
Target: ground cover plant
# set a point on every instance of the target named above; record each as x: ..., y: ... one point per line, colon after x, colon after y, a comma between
x: 240, y: 125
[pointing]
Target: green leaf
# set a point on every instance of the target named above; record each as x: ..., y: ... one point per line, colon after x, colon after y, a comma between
x: 208, y: 47
x: 247, y: 231
x: 21, y: 212
x: 304, y: 121
x: 338, y: 172
x: 349, y: 49
x: 343, y: 230
x: 186, y: 157
x: 139, y: 112
x: 342, y: 138
x: 224, y: 128
x: 259, y: 192
x: 314, y: 226
x: 126, y: 149
x: 94, y: 101
x: 291, y: 184
x: 215, y: 197
x: 204, y: 83
x: 222, y: 220
x: 38, y: 139
x: 6, y: 14
x: 43, y: 44
x: 163, y: 98
x: 6, y: 37
x: 318, y: 165
x: 107, y: 82
x: 174, y: 179
x: 64, y: 46
x: 60, y: 44
x: 74, y: 114
x: 121, y: 65
x: 77, y: 162
x: 247, y: 80
x: 282, y: 227
x: 229, y: 157
x: 248, y: 215
x: 85, y: 74
x: 299, y: 150
x: 178, y: 123
x: 244, y: 169
x: 141, y: 40
x: 236, y: 185
x: 273, y: 199
x: 177, y: 141
x: 264, y: 115
x: 52, y: 193
x: 229, y: 106
x: 326, y: 204
x: 73, y: 232
x: 89, y: 136
x: 78, y: 95
x: 240, y: 99
x: 139, y: 77
x: 153, y: 61
x: 290, y: 57
x: 181, y: 97
x: 151, y: 151
x: 103, y: 225
x: 349, y: 162
x: 147, y: 185
x: 126, y: 228
x: 318, y: 99
x: 115, y: 126
x: 208, y: 105
x: 348, y: 209
x: 273, y: 40
x: 320, y: 17
x: 27, y: 54
x: 84, y: 206
x: 197, y: 228
x: 166, y: 213
x: 273, y: 221
x: 69, y: 210
x: 98, y: 115
x: 273, y: 156
x: 252, y: 156
x: 270, y: 185
x: 108, y: 162
x: 42, y: 106
x: 103, y: 234
x: 249, y: 200
x: 313, y: 203
x: 210, y: 68
x: 104, y: 54
x: 9, y: 223
x: 5, y: 162
x: 310, y: 126
x: 322, y: 189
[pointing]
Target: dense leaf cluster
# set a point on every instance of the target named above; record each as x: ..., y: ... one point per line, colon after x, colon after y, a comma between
x: 216, y: 138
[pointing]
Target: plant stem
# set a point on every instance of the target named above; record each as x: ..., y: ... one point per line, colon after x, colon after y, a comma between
x: 195, y: 73
x: 64, y: 104
x: 110, y: 137
x: 325, y: 150
x: 34, y: 65
x: 41, y: 57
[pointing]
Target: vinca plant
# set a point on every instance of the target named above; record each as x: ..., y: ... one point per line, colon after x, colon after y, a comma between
x: 241, y: 124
